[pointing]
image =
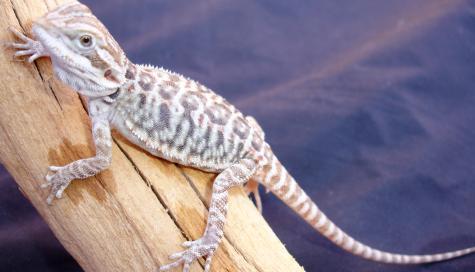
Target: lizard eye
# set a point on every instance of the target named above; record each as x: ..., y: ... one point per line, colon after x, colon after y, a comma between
x: 86, y: 41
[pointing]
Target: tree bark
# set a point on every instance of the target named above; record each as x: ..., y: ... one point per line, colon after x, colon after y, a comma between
x: 131, y: 216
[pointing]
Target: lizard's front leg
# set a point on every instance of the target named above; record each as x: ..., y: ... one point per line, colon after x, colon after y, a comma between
x: 235, y: 175
x: 81, y: 169
x: 28, y: 47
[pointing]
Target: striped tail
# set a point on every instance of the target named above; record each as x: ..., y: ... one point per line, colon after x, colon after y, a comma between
x: 276, y: 178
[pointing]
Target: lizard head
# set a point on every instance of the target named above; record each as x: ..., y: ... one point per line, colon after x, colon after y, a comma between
x: 84, y: 54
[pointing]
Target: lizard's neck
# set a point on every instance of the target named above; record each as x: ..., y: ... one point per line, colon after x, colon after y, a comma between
x: 131, y: 72
x: 131, y: 80
x: 99, y: 105
x: 147, y: 78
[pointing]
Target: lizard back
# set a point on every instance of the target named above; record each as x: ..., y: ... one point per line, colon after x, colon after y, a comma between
x: 179, y: 119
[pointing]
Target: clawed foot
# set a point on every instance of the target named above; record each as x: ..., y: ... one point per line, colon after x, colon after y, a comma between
x: 28, y: 47
x: 252, y: 187
x: 196, y: 249
x: 58, y: 182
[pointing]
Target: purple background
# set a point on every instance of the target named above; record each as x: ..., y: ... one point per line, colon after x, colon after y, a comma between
x: 369, y: 104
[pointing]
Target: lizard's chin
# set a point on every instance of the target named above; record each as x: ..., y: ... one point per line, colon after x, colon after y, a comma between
x: 80, y: 85
x: 93, y: 94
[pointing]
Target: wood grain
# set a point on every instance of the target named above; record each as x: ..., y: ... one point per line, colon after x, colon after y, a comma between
x: 132, y: 216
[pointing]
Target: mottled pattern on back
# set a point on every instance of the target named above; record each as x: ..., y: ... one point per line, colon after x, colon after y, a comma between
x: 180, y: 119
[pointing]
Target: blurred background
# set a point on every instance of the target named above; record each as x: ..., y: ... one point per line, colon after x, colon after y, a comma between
x: 369, y: 104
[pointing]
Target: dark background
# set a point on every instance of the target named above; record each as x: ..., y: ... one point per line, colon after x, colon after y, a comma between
x: 370, y: 105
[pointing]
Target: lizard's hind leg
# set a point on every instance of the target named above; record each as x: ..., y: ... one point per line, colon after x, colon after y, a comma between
x: 235, y: 175
x: 252, y: 186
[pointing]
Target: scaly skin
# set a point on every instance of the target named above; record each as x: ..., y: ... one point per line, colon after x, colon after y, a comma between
x: 174, y: 118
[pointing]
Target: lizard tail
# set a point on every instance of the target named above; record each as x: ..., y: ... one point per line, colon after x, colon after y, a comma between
x: 276, y: 178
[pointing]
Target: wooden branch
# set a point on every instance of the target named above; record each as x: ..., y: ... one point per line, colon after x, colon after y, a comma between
x: 132, y: 216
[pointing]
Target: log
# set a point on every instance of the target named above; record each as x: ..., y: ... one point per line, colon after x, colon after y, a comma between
x: 132, y: 216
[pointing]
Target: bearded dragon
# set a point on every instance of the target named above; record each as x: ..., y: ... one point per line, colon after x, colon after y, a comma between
x: 177, y: 119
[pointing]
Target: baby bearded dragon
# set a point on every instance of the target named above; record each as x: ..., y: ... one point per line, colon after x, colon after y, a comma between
x: 176, y: 119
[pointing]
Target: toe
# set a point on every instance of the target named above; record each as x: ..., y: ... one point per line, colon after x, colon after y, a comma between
x: 33, y: 58
x: 257, y: 197
x: 186, y: 267
x: 59, y: 193
x: 170, y: 266
x: 54, y: 168
x: 209, y: 258
x: 49, y: 178
x: 187, y: 244
x: 50, y: 198
x: 18, y: 34
x: 24, y: 52
x: 177, y: 255
x: 208, y: 263
x: 18, y: 45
